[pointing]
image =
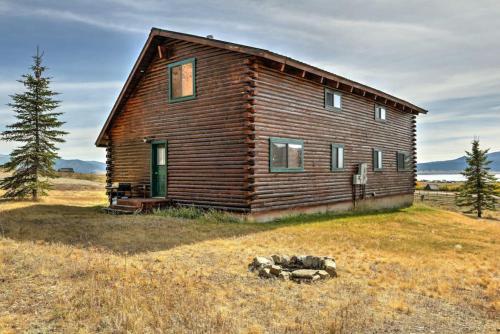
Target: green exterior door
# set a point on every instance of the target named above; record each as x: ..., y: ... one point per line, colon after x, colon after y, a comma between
x: 159, y: 169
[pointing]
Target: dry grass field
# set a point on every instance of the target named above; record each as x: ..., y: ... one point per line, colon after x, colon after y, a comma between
x: 67, y: 267
x: 448, y: 186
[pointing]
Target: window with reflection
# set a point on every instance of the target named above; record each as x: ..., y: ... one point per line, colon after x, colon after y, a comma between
x: 377, y: 159
x: 380, y: 113
x: 337, y: 156
x: 160, y: 155
x: 278, y: 155
x: 182, y: 81
x: 403, y: 161
x: 286, y: 155
x: 333, y: 99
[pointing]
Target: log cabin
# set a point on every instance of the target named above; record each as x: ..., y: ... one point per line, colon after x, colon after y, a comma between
x: 215, y: 124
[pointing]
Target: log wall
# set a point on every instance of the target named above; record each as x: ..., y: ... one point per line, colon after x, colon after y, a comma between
x: 289, y: 106
x: 207, y: 146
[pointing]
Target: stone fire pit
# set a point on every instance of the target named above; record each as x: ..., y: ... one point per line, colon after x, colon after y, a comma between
x: 299, y: 268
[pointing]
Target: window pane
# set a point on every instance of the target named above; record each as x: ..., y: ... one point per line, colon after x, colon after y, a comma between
x: 278, y: 158
x: 187, y: 79
x: 329, y: 99
x: 176, y: 81
x: 382, y: 113
x: 337, y: 100
x: 160, y: 155
x: 335, y: 154
x: 406, y: 159
x: 340, y: 157
x: 294, y: 155
x: 379, y: 159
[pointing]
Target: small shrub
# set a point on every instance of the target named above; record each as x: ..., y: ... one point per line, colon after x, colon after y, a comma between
x: 218, y: 216
x: 186, y: 212
x: 450, y: 187
x: 349, y: 318
x: 192, y: 212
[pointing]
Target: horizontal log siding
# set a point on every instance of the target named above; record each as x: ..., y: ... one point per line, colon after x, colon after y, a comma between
x: 206, y: 143
x: 291, y: 107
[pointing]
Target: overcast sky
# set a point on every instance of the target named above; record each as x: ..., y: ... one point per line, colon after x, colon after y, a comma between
x: 441, y: 55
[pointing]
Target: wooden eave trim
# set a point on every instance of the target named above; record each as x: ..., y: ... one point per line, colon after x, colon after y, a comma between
x: 100, y: 142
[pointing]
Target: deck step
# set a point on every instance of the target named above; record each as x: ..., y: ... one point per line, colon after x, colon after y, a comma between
x: 137, y: 205
x: 121, y: 209
x: 125, y: 207
x: 117, y: 212
x: 128, y: 202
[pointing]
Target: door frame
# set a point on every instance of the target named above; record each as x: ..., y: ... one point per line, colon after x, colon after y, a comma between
x: 152, y: 155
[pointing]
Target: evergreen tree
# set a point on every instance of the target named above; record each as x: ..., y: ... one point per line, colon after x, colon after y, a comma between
x: 477, y: 193
x: 38, y: 128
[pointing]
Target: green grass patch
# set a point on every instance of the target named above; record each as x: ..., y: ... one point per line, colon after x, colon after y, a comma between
x: 185, y: 212
x: 201, y: 215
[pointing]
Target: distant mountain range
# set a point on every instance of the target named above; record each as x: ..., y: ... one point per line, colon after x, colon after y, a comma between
x: 455, y: 166
x: 79, y: 166
x: 434, y: 167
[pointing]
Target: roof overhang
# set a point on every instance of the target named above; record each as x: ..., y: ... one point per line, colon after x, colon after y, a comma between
x: 156, y: 36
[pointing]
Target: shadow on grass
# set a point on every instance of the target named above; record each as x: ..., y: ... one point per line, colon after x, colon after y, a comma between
x: 89, y: 227
x: 322, y: 217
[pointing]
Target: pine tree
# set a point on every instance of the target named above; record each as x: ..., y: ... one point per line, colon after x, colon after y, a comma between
x: 38, y: 128
x: 477, y: 193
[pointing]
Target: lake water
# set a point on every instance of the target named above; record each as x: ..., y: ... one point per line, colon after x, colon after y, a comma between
x: 444, y: 177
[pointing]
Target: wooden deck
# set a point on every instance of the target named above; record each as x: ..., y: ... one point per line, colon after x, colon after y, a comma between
x: 137, y: 205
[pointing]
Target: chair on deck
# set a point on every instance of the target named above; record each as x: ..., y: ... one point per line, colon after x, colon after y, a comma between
x: 120, y: 191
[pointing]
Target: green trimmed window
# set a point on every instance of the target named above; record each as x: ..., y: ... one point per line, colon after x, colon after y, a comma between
x: 380, y: 113
x: 337, y: 156
x: 377, y: 159
x: 286, y: 155
x: 333, y: 99
x: 182, y: 80
x: 403, y: 161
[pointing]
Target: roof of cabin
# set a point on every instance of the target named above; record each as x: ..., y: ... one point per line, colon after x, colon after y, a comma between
x: 158, y: 36
x: 432, y: 186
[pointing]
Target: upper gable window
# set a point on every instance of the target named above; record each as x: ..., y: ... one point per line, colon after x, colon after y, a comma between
x: 333, y: 99
x: 182, y: 80
x: 380, y: 113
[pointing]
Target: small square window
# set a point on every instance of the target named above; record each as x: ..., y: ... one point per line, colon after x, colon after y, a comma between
x: 182, y: 81
x: 377, y: 159
x: 333, y: 99
x: 380, y: 113
x: 286, y: 155
x: 337, y: 156
x: 403, y: 161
